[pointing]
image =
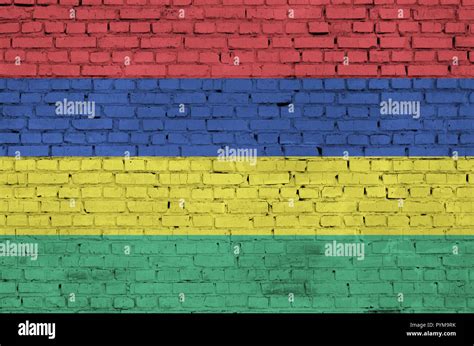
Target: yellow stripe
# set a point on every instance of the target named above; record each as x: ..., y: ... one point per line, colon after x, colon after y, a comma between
x: 281, y: 196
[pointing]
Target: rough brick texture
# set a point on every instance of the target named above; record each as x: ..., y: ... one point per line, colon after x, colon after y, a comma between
x: 179, y: 274
x: 202, y: 38
x: 96, y: 196
x: 330, y: 117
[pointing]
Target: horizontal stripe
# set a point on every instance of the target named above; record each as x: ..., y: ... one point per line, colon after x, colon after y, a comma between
x: 205, y: 196
x: 311, y: 117
x: 219, y: 39
x: 239, y: 274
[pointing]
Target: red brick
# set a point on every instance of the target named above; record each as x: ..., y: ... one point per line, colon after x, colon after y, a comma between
x: 267, y: 13
x: 86, y: 14
x: 204, y: 28
x: 209, y: 58
x: 119, y: 57
x: 165, y: 57
x: 465, y: 42
x: 272, y: 28
x: 296, y: 28
x: 357, y: 56
x: 182, y: 28
x: 51, y: 12
x: 10, y: 13
x: 80, y: 57
x: 76, y: 42
x: 265, y: 56
x: 393, y: 70
x: 393, y: 13
x: 225, y: 27
x: 145, y: 70
x: 161, y: 42
x: 463, y: 71
x: 314, y: 70
x: 427, y: 71
x: 76, y: 28
x: 5, y: 43
x: 431, y: 42
x: 431, y: 27
x: 364, y: 27
x: 203, y: 43
x: 101, y: 71
x: 282, y: 42
x: 334, y: 56
x: 394, y: 42
x: 318, y: 27
x: 57, y: 70
x: 340, y: 27
x: 161, y: 27
x: 314, y: 42
x: 386, y: 27
x: 33, y: 42
x: 29, y: 27
x: 8, y: 28
x: 222, y: 71
x: 188, y: 70
x: 432, y: 14
x: 379, y: 56
x: 357, y: 42
x: 402, y: 56
x: 312, y: 56
x: 99, y: 57
x: 426, y: 56
x: 252, y: 42
x: 346, y: 12
x: 95, y: 28
x: 10, y: 55
x: 54, y: 27
x: 141, y: 57
x: 140, y: 27
x: 228, y: 13
x: 466, y: 14
x: 58, y: 56
x: 408, y: 27
x: 357, y: 70
x: 118, y: 42
x: 447, y: 55
x: 308, y: 13
x: 289, y: 56
x: 17, y: 70
x: 455, y: 27
x: 36, y: 57
x: 273, y: 71
x: 188, y: 56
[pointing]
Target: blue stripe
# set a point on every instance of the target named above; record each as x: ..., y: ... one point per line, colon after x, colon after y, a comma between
x: 331, y: 117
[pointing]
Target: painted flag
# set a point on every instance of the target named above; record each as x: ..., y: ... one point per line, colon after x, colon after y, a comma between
x: 229, y: 156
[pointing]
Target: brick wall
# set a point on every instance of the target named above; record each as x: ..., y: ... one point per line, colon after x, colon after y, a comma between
x: 132, y: 211
x: 330, y: 117
x: 202, y: 38
x: 189, y: 274
x: 204, y: 196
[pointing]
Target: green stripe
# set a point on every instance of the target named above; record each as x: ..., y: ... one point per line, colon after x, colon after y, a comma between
x: 259, y: 279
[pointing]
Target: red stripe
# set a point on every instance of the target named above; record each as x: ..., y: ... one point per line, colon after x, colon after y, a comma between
x: 375, y: 41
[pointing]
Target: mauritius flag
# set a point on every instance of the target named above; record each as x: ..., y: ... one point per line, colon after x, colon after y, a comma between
x: 236, y: 156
